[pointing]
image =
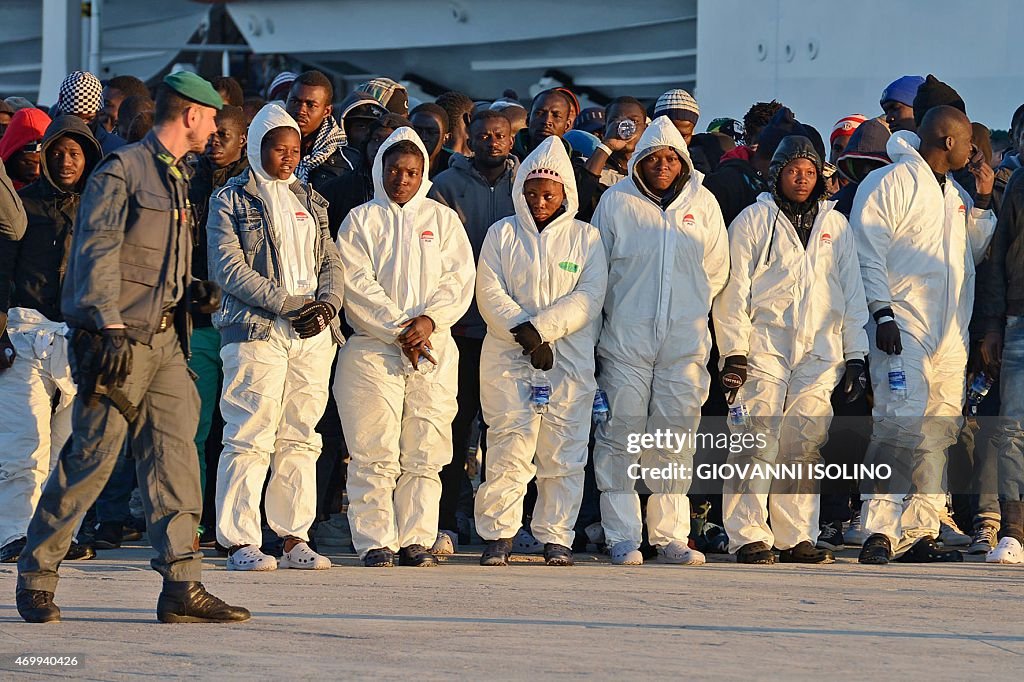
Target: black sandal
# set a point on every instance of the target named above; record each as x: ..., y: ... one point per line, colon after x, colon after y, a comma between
x: 497, y: 553
x: 755, y: 553
x: 382, y: 557
x: 877, y: 550
x: 557, y: 555
x: 926, y: 551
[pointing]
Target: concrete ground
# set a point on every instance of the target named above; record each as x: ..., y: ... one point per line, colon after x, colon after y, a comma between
x: 530, y: 621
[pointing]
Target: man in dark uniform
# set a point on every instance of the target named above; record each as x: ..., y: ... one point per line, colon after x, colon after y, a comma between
x: 126, y: 299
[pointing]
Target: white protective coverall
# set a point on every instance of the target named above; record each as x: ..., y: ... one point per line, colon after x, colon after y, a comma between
x: 797, y: 314
x: 275, y: 390
x: 556, y: 280
x: 665, y: 267
x: 918, y: 245
x: 32, y: 429
x: 400, y: 262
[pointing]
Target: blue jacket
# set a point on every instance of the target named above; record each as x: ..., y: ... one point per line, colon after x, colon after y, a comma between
x: 245, y: 261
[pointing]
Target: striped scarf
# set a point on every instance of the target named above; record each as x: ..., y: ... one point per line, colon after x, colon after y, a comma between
x: 329, y: 138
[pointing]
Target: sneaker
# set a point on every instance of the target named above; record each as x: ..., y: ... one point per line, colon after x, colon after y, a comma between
x: 250, y: 558
x: 877, y: 550
x: 1008, y: 551
x: 416, y: 555
x: 626, y: 553
x: 679, y: 553
x: 949, y: 533
x: 525, y: 543
x: 446, y: 544
x: 984, y: 539
x: 497, y: 553
x: 108, y: 536
x: 189, y: 602
x: 755, y: 553
x: 10, y: 552
x: 36, y: 606
x: 382, y: 557
x: 301, y: 556
x: 927, y: 551
x: 830, y: 536
x: 806, y: 553
x: 208, y: 538
x: 855, y: 534
x: 557, y: 555
x: 78, y: 552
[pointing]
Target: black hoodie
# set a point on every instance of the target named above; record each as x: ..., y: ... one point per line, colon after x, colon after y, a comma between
x: 801, y: 215
x: 32, y: 269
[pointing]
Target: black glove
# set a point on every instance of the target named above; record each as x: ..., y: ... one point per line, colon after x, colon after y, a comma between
x: 115, y: 358
x: 856, y: 381
x: 887, y: 336
x: 527, y: 336
x: 543, y: 358
x: 734, y: 375
x: 313, y: 318
x: 7, y: 352
x: 205, y: 295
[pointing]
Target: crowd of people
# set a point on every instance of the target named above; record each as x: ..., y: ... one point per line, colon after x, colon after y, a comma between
x: 335, y: 299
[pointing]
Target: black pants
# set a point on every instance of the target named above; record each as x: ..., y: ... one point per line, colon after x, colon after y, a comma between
x: 453, y: 475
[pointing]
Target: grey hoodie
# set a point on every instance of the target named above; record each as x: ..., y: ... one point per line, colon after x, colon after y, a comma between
x: 479, y: 206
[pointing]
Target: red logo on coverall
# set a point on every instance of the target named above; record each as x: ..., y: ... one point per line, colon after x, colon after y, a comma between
x: 962, y: 210
x: 826, y: 238
x: 427, y: 236
x: 688, y: 220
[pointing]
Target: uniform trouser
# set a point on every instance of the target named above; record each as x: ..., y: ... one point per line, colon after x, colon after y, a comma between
x: 1010, y: 436
x: 274, y: 393
x: 168, y: 473
x: 36, y: 394
x: 793, y: 415
x: 207, y: 365
x: 522, y: 444
x: 453, y: 475
x: 912, y: 435
x: 645, y: 397
x: 399, y: 433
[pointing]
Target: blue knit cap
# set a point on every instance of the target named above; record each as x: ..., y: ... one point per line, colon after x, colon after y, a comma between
x: 902, y: 90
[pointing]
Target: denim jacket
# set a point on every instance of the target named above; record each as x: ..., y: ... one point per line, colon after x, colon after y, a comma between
x: 245, y: 261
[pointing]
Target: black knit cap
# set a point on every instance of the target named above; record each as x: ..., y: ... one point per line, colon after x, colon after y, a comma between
x: 933, y: 93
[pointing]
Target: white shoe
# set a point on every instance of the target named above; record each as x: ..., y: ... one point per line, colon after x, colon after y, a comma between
x: 595, y: 533
x: 855, y: 534
x: 250, y: 558
x: 677, y: 552
x: 1008, y: 551
x: 303, y: 556
x: 446, y: 543
x: 625, y: 553
x: 950, y: 534
x: 525, y: 543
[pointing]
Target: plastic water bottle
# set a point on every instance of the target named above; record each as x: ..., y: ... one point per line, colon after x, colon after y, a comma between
x: 739, y: 415
x: 977, y: 391
x: 601, y: 413
x: 897, y: 378
x: 540, y: 391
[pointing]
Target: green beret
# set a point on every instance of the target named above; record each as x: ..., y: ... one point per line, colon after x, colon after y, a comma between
x: 195, y: 88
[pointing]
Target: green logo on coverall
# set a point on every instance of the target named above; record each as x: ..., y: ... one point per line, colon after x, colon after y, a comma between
x: 569, y: 267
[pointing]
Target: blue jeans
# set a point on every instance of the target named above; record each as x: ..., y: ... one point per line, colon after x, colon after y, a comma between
x: 1010, y: 438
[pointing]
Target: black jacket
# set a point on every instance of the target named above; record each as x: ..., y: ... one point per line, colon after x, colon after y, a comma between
x: 344, y: 193
x: 336, y: 165
x: 205, y: 181
x: 736, y: 185
x: 32, y: 268
x: 1001, y: 283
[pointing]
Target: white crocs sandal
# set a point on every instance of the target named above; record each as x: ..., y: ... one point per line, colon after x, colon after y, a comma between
x: 446, y: 544
x: 250, y: 558
x: 625, y: 553
x: 302, y: 556
x: 679, y: 553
